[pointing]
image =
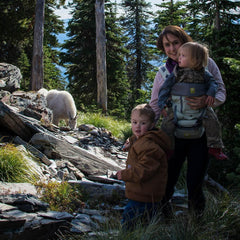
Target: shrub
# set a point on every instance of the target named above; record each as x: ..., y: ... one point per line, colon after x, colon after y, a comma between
x: 60, y: 196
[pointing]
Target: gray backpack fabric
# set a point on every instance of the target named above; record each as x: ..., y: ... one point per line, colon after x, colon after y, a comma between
x: 188, y: 122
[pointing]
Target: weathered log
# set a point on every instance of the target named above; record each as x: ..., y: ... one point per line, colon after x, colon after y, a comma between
x: 33, y: 150
x: 10, y: 120
x: 101, y: 191
x: 21, y: 125
x: 86, y: 162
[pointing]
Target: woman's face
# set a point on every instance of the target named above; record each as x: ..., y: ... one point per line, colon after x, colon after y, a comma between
x: 171, y: 45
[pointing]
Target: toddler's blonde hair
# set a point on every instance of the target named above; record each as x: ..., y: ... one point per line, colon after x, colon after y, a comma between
x: 145, y: 109
x: 198, y: 54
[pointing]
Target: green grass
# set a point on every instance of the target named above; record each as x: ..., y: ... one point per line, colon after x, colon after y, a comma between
x: 13, y: 166
x: 221, y: 221
x: 119, y: 128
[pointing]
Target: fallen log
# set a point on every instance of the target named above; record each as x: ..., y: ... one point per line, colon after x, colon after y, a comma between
x: 9, y: 119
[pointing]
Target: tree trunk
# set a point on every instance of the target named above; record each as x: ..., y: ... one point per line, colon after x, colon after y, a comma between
x: 217, y: 17
x: 101, y: 55
x: 37, y: 61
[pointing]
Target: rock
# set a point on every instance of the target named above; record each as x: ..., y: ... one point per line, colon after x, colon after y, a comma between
x: 5, y: 207
x: 97, y: 190
x: 24, y: 202
x: 57, y: 154
x: 86, y: 162
x: 11, y: 120
x: 79, y: 227
x: 57, y: 215
x: 14, y: 188
x: 32, y: 150
x: 10, y: 77
x: 17, y: 224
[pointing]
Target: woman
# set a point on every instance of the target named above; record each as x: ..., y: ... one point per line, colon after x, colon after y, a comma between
x: 194, y: 150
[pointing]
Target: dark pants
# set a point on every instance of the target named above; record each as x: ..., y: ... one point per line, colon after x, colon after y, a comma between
x: 195, y: 151
x: 136, y: 211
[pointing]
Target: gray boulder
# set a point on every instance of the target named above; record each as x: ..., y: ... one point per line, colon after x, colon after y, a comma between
x: 10, y: 77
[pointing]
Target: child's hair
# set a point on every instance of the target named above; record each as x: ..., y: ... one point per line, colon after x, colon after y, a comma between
x: 145, y: 109
x: 198, y: 54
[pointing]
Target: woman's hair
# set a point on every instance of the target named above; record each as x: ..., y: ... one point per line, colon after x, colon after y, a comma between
x: 145, y: 109
x: 174, y: 30
x: 198, y: 54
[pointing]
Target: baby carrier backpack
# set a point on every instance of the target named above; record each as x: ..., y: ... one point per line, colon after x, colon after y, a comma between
x: 188, y: 122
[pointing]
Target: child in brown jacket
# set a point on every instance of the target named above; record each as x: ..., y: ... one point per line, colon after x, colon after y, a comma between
x: 146, y: 167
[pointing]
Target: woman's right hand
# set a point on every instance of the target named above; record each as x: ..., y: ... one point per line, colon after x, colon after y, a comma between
x: 197, y: 102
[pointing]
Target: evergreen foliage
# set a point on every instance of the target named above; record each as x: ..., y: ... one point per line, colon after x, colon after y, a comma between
x: 80, y: 54
x: 136, y: 25
x: 118, y: 85
x: 16, y: 39
x: 16, y: 18
x: 80, y: 58
x: 169, y: 13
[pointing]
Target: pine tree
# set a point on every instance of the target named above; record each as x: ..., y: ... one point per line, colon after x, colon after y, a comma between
x: 169, y: 13
x: 118, y: 86
x: 80, y: 58
x: 16, y: 39
x: 16, y: 28
x: 136, y: 25
x: 80, y: 55
x: 52, y: 27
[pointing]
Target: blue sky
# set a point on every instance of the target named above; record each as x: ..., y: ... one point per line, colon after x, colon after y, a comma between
x: 64, y: 13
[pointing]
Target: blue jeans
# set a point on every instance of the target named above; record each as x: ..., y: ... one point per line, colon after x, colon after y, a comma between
x: 138, y: 211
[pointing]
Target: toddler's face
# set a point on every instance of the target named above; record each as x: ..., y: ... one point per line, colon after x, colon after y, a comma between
x: 184, y: 58
x: 140, y: 124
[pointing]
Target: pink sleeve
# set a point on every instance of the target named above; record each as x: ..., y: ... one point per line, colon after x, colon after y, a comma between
x: 158, y: 82
x: 221, y: 91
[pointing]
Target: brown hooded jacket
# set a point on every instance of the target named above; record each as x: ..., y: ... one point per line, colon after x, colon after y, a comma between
x: 146, y: 167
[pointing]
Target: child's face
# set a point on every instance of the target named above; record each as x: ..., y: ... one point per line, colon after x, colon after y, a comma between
x: 184, y: 58
x: 140, y: 124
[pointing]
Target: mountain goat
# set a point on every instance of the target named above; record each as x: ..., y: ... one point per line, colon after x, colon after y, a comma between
x: 62, y: 105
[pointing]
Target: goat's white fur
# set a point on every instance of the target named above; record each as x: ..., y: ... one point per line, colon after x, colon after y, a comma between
x: 62, y: 105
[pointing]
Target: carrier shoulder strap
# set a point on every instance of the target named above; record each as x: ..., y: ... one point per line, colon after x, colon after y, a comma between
x: 164, y: 71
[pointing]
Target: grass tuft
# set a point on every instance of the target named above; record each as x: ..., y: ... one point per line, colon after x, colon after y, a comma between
x: 120, y: 129
x: 13, y: 166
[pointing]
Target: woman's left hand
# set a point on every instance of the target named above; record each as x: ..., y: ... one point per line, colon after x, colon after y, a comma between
x: 197, y: 102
